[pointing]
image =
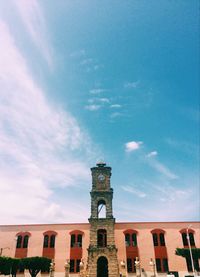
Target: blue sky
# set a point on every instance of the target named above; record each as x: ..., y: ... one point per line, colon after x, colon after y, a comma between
x: 88, y: 80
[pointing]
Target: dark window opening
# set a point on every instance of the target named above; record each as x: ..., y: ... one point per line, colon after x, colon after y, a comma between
x: 162, y: 239
x: 127, y: 239
x: 78, y: 265
x: 101, y: 238
x: 165, y: 265
x: 79, y: 240
x: 129, y: 265
x: 155, y: 239
x: 52, y: 241
x: 73, y: 240
x: 189, y: 264
x: 158, y: 265
x: 46, y: 241
x: 134, y: 239
x: 191, y: 236
x: 25, y: 242
x: 72, y: 263
x: 19, y: 242
x: 184, y: 238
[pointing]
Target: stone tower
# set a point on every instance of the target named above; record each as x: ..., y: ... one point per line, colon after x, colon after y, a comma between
x: 102, y: 252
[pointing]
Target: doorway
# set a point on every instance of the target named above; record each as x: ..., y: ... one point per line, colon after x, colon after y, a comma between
x: 102, y: 267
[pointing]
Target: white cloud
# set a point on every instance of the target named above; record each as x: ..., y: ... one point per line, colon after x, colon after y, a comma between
x: 133, y: 145
x: 131, y: 85
x: 134, y: 191
x: 39, y: 144
x: 161, y: 168
x: 152, y: 154
x: 104, y: 100
x: 97, y: 90
x: 33, y: 19
x: 92, y: 108
x: 86, y: 61
x: 115, y: 106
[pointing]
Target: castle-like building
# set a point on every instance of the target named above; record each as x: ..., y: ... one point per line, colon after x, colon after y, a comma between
x: 102, y: 247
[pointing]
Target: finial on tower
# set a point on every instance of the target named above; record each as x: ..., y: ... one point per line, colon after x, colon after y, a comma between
x: 101, y: 163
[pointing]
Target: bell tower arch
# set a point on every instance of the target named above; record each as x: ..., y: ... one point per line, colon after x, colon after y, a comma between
x: 102, y: 242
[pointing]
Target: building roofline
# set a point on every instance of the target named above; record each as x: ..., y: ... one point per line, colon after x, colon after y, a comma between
x: 118, y: 223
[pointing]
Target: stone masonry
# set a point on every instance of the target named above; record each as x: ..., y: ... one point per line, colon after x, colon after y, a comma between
x: 102, y: 194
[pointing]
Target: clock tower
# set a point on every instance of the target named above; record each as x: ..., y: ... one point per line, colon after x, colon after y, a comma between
x: 102, y: 252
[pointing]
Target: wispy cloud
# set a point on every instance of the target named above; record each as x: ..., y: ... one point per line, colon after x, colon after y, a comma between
x: 152, y: 154
x: 133, y: 145
x: 93, y: 107
x: 115, y: 106
x: 134, y: 191
x: 97, y: 90
x: 161, y: 168
x: 38, y: 143
x: 34, y: 21
x: 131, y: 85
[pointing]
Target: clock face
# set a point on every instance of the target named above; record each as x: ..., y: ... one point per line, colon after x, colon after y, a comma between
x: 101, y: 177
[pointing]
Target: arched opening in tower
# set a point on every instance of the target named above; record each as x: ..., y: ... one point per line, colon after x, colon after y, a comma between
x: 102, y: 267
x: 101, y: 209
x: 101, y: 238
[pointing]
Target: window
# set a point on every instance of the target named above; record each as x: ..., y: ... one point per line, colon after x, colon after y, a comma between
x: 158, y: 265
x: 19, y: 242
x: 189, y: 264
x: 184, y: 238
x: 130, y: 238
x: 79, y: 240
x: 134, y: 239
x: 162, y: 239
x: 191, y: 236
x: 158, y: 237
x: 155, y: 239
x: 76, y: 240
x: 102, y: 238
x: 101, y: 208
x: 127, y: 239
x: 46, y: 241
x: 72, y: 262
x: 165, y: 265
x: 73, y: 239
x: 75, y: 265
x: 131, y: 265
x: 52, y: 241
x: 25, y: 243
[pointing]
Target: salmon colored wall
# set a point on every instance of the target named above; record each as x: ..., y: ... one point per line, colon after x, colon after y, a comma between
x: 173, y: 240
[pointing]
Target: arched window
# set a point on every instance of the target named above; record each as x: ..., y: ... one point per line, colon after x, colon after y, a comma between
x: 101, y: 209
x: 76, y: 238
x: 25, y: 242
x: 19, y: 242
x: 46, y: 241
x: 52, y: 241
x: 22, y: 244
x: 190, y: 237
x: 158, y: 237
x: 102, y: 238
x: 49, y: 244
x: 131, y: 249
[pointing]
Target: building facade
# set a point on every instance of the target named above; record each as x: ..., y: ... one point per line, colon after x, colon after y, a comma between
x: 103, y: 247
